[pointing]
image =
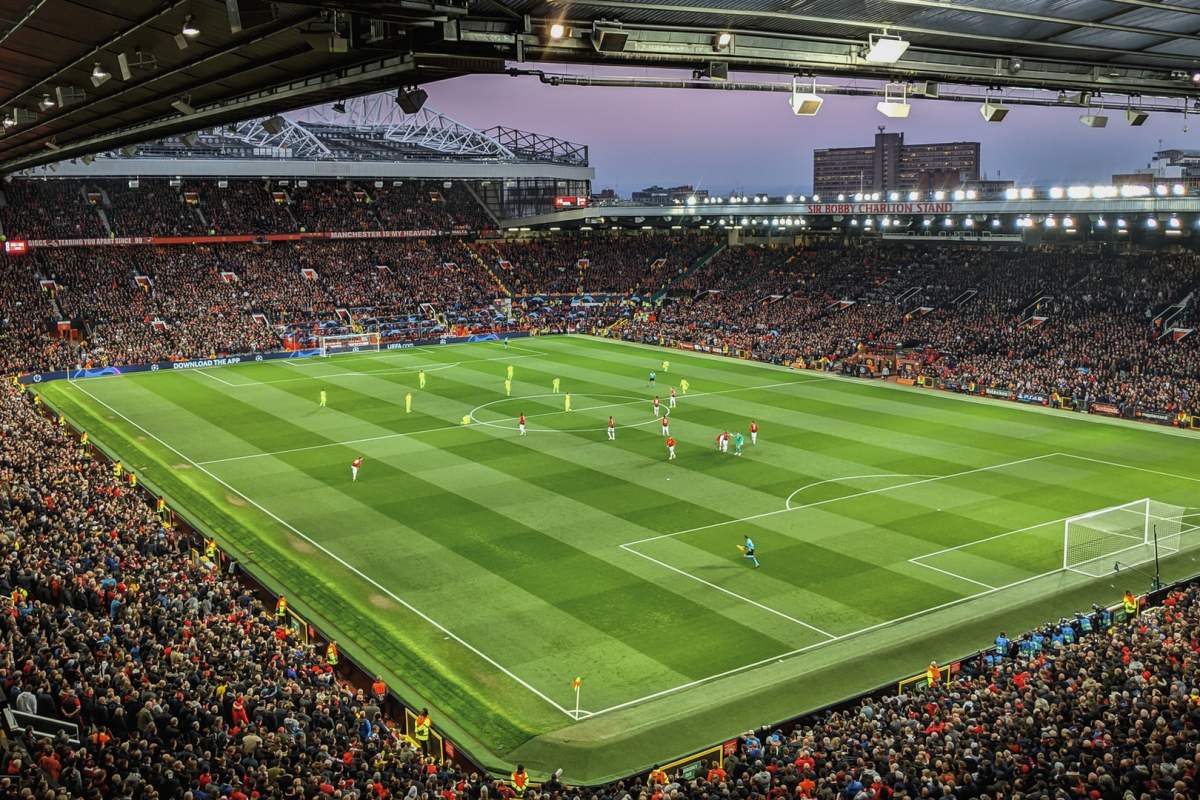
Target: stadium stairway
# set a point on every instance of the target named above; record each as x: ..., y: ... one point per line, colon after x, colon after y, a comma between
x: 487, y: 268
x: 693, y: 267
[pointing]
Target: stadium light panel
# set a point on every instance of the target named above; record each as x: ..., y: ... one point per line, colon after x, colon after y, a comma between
x: 9, y: 121
x: 1101, y: 223
x: 100, y: 75
x: 1173, y: 222
x: 874, y: 197
x: 411, y: 100
x: 912, y: 196
x: 722, y: 41
x: 854, y: 222
x: 947, y: 222
x: 959, y: 194
x: 858, y: 198
x: 1057, y: 193
x: 969, y: 222
x: 1068, y: 222
x: 893, y: 196
x: 1136, y: 117
x: 939, y: 195
x: 1079, y: 192
x: 1160, y: 190
x: 1178, y: 190
x: 841, y: 198
x: 893, y: 109
x: 790, y: 199
x: 927, y: 223
x: 338, y: 108
x: 46, y: 103
x: 885, y: 48
x: 557, y: 31
x: 816, y: 198
x: 1011, y: 193
x: 608, y: 38
x: 995, y: 222
x: 183, y: 107
x: 993, y: 112
x: 1027, y: 193
x: 806, y: 103
x: 1094, y: 120
x: 1151, y: 222
x: 1120, y: 222
x: 190, y: 29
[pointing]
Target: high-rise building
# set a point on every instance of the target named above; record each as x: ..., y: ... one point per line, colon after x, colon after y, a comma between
x: 893, y: 166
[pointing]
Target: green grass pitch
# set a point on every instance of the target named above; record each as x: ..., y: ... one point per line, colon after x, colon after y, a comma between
x: 482, y: 571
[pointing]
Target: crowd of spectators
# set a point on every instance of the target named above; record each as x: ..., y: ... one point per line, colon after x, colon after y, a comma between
x: 184, y: 685
x: 1081, y: 324
x: 595, y: 263
x: 71, y: 209
x: 1078, y: 324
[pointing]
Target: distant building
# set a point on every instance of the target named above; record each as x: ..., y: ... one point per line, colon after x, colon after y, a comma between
x: 660, y: 196
x: 1167, y: 166
x: 893, y: 166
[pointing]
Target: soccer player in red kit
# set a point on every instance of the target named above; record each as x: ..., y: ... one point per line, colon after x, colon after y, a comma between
x: 656, y: 406
x: 612, y: 428
x: 671, y: 399
x: 666, y: 426
x: 753, y: 432
x: 354, y: 465
x: 670, y: 448
x: 521, y: 424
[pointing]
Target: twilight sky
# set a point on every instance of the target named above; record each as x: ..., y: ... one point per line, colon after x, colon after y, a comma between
x: 750, y: 142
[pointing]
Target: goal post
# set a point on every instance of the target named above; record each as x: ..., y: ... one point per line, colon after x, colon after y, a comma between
x: 1095, y: 543
x: 349, y: 343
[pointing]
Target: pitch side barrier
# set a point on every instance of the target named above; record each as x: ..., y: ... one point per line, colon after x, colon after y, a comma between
x: 247, y: 358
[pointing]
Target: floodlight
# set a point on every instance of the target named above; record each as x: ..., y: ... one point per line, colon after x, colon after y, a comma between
x: 993, y: 112
x: 912, y: 196
x: 893, y: 196
x: 885, y: 49
x: 410, y: 100
x: 46, y: 103
x: 338, y: 108
x: 939, y: 195
x: 722, y: 41
x: 1094, y: 120
x: 805, y: 104
x: 1160, y: 190
x: 1136, y: 117
x: 608, y: 38
x: 100, y: 75
x: 789, y: 199
x: 1056, y: 193
x: 557, y: 31
x: 1177, y: 189
x: 1011, y: 193
x: 889, y: 106
x: 183, y: 106
x: 1151, y: 222
x: 189, y: 28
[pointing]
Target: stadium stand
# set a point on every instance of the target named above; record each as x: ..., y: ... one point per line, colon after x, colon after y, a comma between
x: 183, y: 684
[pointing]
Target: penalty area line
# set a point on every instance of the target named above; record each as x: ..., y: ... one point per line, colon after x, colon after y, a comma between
x: 437, y: 625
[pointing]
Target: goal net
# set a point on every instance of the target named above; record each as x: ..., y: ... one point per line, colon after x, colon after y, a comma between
x: 1098, y: 542
x: 349, y: 343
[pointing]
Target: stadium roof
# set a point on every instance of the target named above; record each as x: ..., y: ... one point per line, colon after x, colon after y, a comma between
x: 250, y: 58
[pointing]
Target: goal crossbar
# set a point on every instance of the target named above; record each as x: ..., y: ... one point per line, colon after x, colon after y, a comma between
x: 1135, y: 531
x: 337, y: 344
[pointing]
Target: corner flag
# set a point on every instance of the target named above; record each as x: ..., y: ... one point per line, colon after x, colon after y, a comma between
x: 576, y: 684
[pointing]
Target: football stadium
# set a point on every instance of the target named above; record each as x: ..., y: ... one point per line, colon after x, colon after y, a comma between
x: 369, y: 431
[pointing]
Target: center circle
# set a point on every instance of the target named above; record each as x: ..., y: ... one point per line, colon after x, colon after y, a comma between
x: 615, y: 401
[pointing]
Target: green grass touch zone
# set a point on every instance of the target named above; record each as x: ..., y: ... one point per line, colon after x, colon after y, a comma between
x: 481, y: 570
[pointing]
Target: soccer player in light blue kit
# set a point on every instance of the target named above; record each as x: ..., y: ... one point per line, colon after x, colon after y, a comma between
x: 651, y: 379
x: 738, y: 441
x: 748, y: 551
